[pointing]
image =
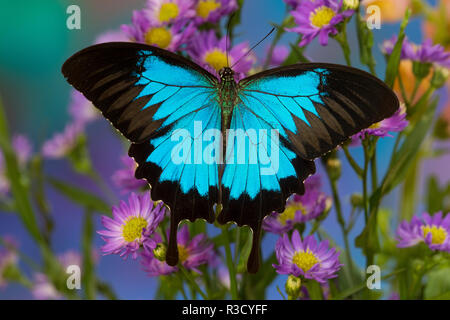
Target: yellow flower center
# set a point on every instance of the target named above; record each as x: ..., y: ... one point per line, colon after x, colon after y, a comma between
x: 376, y: 125
x: 289, y: 212
x: 216, y: 59
x: 438, y: 234
x: 183, y: 253
x: 305, y: 260
x: 205, y: 7
x: 160, y: 37
x: 132, y: 229
x: 168, y: 12
x: 321, y: 16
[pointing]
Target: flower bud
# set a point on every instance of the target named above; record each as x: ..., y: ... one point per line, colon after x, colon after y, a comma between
x: 160, y: 252
x: 421, y: 70
x: 439, y: 78
x: 334, y: 168
x: 292, y: 287
x: 350, y: 4
x: 356, y: 200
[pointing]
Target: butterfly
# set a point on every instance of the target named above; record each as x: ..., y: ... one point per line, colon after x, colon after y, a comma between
x: 244, y: 146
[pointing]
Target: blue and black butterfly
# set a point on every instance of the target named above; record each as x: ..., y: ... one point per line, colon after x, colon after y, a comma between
x: 169, y: 106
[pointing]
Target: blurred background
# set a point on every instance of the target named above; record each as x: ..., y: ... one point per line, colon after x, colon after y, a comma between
x: 34, y: 43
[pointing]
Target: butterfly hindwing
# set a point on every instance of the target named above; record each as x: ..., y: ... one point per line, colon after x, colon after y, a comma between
x: 156, y: 98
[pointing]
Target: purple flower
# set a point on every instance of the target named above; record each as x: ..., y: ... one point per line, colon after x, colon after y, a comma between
x: 279, y: 54
x: 62, y: 143
x: 43, y: 288
x: 318, y: 18
x: 433, y: 230
x: 8, y: 258
x: 124, y: 178
x: 169, y: 11
x: 154, y: 267
x: 293, y: 3
x: 23, y: 148
x: 299, y: 209
x: 81, y: 109
x: 213, y: 10
x: 132, y: 226
x: 196, y: 251
x: 223, y: 275
x: 144, y: 30
x: 306, y: 258
x: 424, y: 53
x: 210, y: 52
x: 192, y: 253
x: 396, y: 123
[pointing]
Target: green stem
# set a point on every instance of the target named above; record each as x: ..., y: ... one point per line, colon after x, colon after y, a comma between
x: 341, y: 221
x: 230, y: 264
x: 352, y: 162
x: 103, y: 186
x: 373, y: 166
x: 191, y: 281
x: 364, y: 179
x: 342, y: 40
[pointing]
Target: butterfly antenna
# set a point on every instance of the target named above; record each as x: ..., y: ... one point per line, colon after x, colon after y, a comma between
x: 228, y: 37
x: 251, y: 49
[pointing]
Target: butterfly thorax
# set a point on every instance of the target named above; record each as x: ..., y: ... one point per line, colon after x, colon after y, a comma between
x: 228, y: 95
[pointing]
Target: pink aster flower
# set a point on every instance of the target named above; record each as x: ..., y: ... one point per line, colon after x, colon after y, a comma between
x: 169, y: 37
x: 169, y: 11
x: 210, y: 52
x: 213, y: 10
x: 279, y: 54
x: 396, y: 123
x: 192, y: 254
x: 81, y: 109
x: 299, y: 209
x: 306, y: 258
x: 124, y: 178
x: 132, y: 226
x: 62, y: 143
x: 23, y: 149
x: 318, y: 18
x: 433, y: 230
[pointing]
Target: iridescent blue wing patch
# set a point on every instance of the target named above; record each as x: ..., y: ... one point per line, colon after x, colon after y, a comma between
x: 317, y: 106
x: 165, y: 104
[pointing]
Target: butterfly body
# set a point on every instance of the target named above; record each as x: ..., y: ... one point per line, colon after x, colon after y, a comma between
x: 271, y: 126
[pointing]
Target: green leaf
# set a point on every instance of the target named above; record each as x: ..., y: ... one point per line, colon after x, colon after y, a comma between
x: 404, y: 157
x: 435, y: 197
x: 437, y: 284
x: 394, y: 58
x: 365, y: 41
x: 89, y: 281
x: 81, y: 197
x: 368, y: 239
